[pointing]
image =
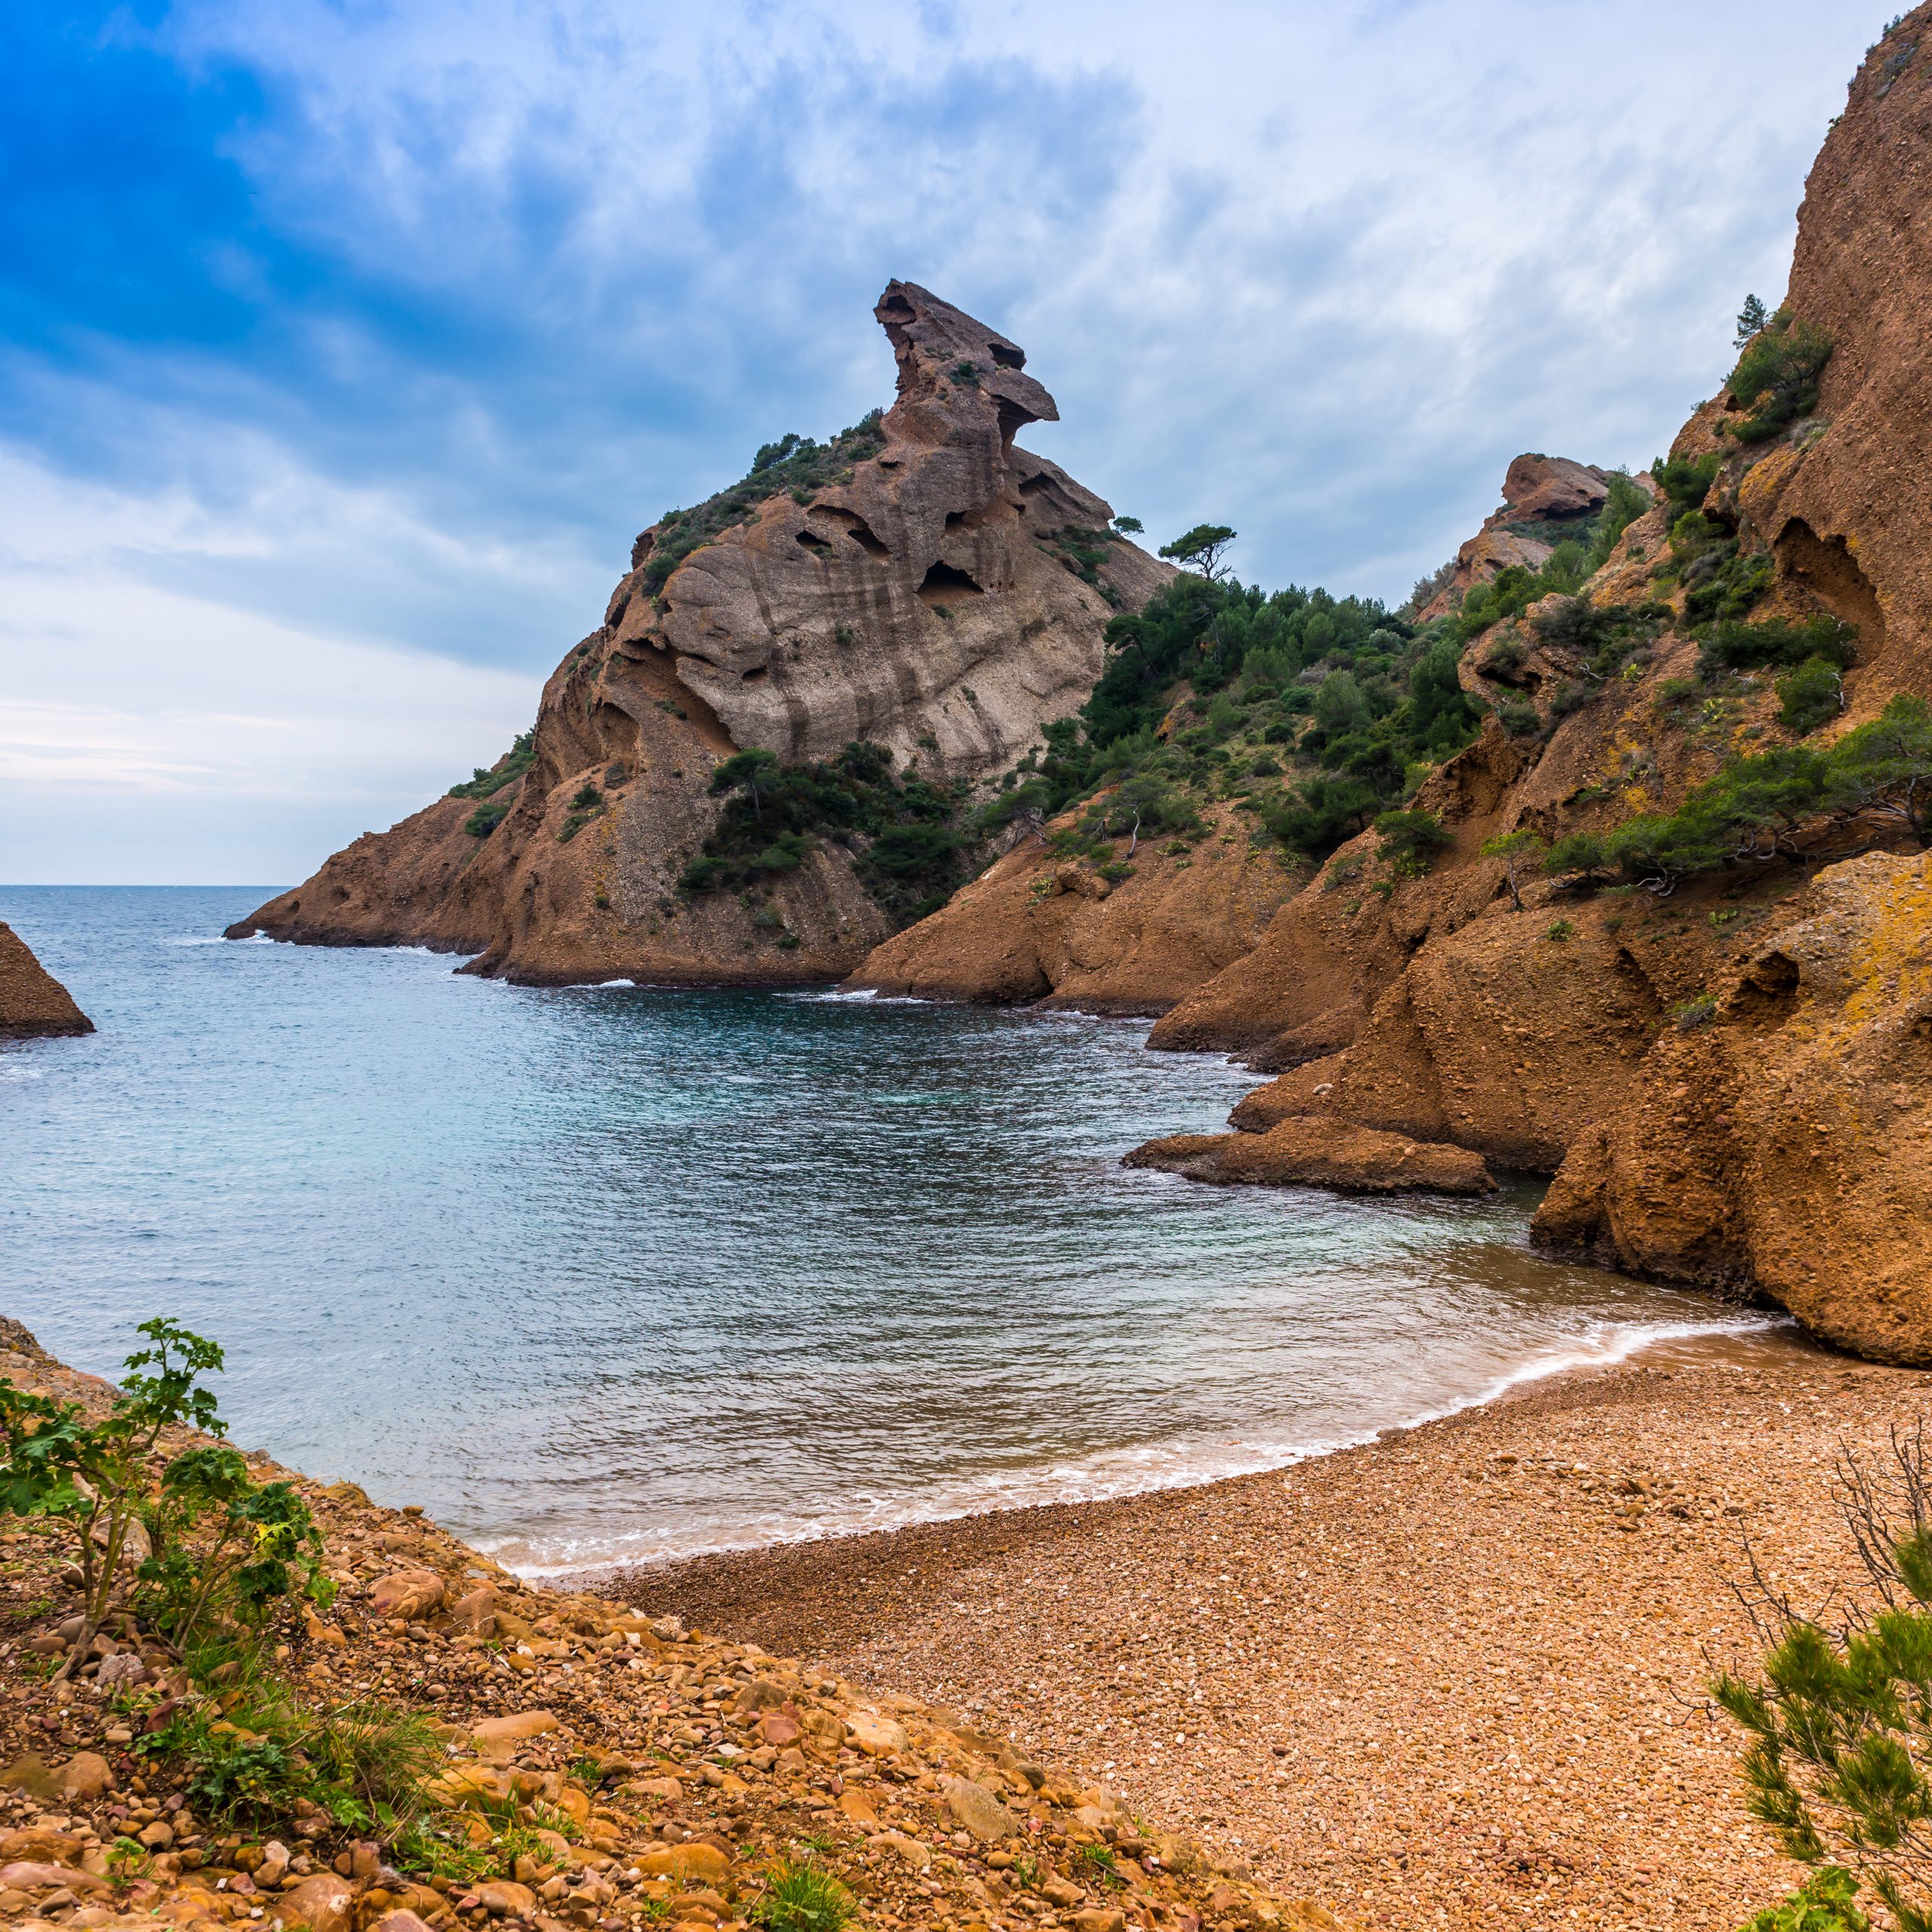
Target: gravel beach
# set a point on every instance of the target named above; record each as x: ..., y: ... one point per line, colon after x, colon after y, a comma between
x: 1451, y: 1676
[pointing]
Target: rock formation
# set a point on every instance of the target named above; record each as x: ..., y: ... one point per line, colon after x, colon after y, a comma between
x: 921, y: 583
x: 33, y: 1003
x: 1545, y: 498
x: 1031, y: 930
x: 1731, y: 1080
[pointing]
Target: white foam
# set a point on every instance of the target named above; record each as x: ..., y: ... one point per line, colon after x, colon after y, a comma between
x: 1105, y: 1476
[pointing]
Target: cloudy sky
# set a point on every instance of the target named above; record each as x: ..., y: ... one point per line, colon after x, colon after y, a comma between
x: 345, y: 345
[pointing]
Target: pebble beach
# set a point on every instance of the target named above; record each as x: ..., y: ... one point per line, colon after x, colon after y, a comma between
x: 1454, y: 1676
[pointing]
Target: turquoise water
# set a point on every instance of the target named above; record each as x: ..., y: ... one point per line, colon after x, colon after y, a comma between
x: 612, y: 1272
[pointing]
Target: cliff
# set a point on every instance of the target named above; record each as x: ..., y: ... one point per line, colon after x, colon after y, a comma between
x: 919, y: 583
x: 1698, y: 990
x: 33, y: 1003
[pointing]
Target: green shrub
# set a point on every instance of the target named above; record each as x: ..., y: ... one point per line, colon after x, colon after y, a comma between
x: 1560, y: 930
x: 1518, y: 850
x: 484, y: 819
x: 1737, y: 646
x: 1777, y: 378
x: 793, y: 465
x: 1519, y: 717
x: 1810, y: 696
x: 800, y: 1896
x: 1835, y: 1716
x: 1823, y: 1903
x: 1699, y: 1011
x: 224, y: 1548
x: 507, y: 770
x: 1410, y: 841
x: 94, y: 1480
x: 1685, y: 482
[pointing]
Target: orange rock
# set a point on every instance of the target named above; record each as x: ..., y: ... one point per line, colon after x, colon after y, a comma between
x: 33, y: 1002
x: 916, y: 597
x: 406, y: 1593
x: 324, y: 1903
x: 1315, y: 1152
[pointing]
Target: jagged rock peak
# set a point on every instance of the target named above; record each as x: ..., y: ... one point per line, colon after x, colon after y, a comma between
x: 943, y: 354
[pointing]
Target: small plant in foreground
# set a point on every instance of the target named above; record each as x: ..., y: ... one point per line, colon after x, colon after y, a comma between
x: 801, y: 1896
x: 1823, y: 1903
x: 1836, y: 1714
x: 1519, y: 850
x: 1699, y: 1011
x: 1098, y: 1865
x: 1560, y: 930
x: 94, y: 1479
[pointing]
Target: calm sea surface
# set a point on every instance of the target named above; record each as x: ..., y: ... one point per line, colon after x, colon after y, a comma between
x: 617, y: 1273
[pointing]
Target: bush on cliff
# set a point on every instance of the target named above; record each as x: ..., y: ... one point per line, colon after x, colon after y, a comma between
x: 507, y: 770
x: 794, y: 465
x: 1777, y: 378
x: 776, y: 814
x: 1875, y: 782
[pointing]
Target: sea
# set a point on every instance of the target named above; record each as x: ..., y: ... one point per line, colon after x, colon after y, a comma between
x: 622, y: 1274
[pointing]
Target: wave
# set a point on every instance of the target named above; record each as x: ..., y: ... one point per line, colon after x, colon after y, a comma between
x: 1105, y: 1476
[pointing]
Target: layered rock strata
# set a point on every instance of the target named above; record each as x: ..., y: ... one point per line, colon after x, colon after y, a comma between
x: 943, y: 596
x: 33, y: 1003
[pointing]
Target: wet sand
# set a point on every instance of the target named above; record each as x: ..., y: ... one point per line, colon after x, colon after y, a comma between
x: 1450, y: 1677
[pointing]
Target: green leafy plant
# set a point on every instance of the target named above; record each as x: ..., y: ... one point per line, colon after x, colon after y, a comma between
x: 792, y: 466
x: 1098, y: 1864
x: 1810, y: 696
x: 801, y: 1895
x: 224, y: 1548
x: 507, y: 770
x: 1698, y: 1011
x: 1519, y: 850
x: 1560, y: 930
x: 1410, y: 841
x: 484, y: 819
x: 1823, y: 1903
x: 94, y: 1480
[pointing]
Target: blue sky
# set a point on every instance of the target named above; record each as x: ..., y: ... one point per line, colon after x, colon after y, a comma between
x: 345, y: 346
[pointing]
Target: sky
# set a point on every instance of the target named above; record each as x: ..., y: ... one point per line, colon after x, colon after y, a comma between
x: 346, y: 346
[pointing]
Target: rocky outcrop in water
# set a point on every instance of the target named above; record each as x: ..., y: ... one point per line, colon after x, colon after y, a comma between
x: 921, y: 583
x: 33, y: 1003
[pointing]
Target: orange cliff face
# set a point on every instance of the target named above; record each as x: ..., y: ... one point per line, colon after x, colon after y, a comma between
x: 33, y: 1003
x: 1732, y: 1083
x: 925, y: 597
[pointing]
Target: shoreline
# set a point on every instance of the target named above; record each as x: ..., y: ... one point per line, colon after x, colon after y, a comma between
x: 1772, y: 1328
x: 1448, y: 1674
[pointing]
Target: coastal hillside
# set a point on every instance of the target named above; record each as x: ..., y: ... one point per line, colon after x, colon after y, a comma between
x: 1657, y: 920
x: 749, y: 772
x: 33, y: 1003
x: 352, y: 1721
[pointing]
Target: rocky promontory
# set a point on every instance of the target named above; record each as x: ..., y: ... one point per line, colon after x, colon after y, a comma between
x: 33, y: 1003
x: 919, y: 584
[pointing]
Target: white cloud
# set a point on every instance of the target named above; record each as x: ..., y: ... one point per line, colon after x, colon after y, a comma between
x: 148, y: 735
x: 1317, y: 270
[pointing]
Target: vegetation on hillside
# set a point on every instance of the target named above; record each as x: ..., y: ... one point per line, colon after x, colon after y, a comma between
x: 794, y: 464
x: 901, y: 825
